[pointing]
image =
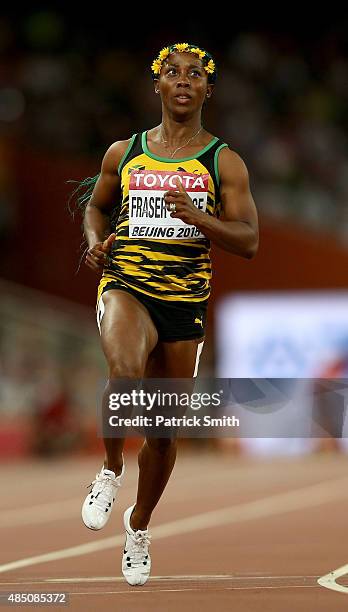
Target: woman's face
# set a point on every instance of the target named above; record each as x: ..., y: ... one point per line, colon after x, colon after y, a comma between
x: 183, y: 83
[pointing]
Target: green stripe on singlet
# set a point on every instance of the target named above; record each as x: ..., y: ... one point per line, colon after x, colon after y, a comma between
x: 119, y: 168
x: 216, y: 161
x: 175, y: 160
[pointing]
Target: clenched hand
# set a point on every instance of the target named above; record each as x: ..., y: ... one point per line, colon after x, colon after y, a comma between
x: 97, y: 255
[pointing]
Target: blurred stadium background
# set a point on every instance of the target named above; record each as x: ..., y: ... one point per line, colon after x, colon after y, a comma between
x: 70, y: 85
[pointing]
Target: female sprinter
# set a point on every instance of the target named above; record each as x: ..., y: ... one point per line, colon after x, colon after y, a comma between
x: 168, y: 186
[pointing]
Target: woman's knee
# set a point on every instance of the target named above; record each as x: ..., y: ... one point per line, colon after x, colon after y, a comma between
x: 126, y: 368
x: 161, y: 445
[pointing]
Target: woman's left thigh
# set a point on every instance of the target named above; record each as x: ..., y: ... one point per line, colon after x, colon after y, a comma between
x: 177, y: 359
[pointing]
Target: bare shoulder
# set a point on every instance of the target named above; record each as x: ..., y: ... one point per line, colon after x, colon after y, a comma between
x: 114, y: 155
x: 231, y: 166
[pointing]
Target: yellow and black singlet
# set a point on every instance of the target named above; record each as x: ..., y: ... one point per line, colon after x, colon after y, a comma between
x: 153, y: 253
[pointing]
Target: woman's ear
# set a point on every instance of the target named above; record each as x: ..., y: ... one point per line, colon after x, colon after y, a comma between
x: 209, y: 91
x: 156, y: 86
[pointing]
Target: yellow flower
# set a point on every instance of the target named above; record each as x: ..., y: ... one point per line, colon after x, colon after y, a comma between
x: 198, y: 52
x: 210, y: 67
x: 181, y: 47
x: 156, y: 66
x: 164, y: 53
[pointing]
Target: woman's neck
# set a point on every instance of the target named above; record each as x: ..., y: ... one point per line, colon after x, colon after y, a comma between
x: 182, y: 138
x: 177, y: 132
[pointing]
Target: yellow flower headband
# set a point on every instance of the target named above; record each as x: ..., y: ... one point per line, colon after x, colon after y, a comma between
x: 207, y: 60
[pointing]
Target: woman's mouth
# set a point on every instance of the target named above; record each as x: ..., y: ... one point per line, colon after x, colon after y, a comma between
x: 183, y: 98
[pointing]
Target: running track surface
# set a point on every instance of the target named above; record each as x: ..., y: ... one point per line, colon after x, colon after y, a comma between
x: 229, y: 534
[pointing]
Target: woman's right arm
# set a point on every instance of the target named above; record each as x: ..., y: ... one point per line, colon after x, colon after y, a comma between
x: 106, y: 192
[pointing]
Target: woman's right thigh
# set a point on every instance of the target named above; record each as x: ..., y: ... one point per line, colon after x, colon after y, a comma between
x: 128, y: 334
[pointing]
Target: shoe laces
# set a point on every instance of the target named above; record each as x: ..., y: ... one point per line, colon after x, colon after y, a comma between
x: 138, y: 549
x: 103, y: 485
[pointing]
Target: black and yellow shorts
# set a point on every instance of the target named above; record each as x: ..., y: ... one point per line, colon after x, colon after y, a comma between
x: 174, y: 320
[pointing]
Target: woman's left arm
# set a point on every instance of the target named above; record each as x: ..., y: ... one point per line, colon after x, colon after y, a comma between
x: 237, y: 231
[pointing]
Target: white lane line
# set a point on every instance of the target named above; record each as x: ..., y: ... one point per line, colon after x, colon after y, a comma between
x: 329, y: 580
x: 147, y: 590
x: 181, y: 578
x: 280, y: 503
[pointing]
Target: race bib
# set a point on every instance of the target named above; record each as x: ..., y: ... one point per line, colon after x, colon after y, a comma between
x: 148, y: 215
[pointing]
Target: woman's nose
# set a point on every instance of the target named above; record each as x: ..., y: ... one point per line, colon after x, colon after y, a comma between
x: 183, y: 80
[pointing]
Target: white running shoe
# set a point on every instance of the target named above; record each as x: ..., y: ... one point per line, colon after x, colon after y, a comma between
x: 98, y: 504
x: 136, y: 561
